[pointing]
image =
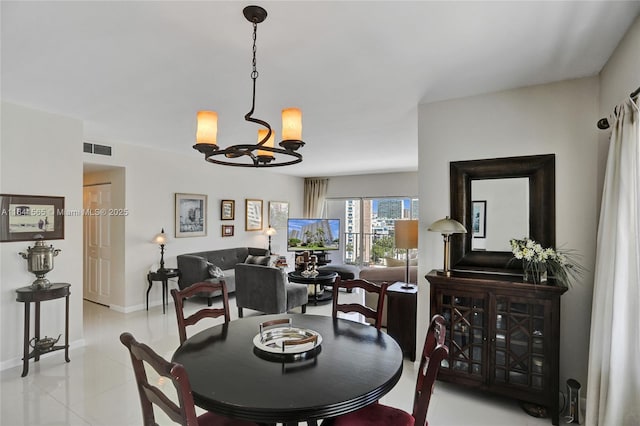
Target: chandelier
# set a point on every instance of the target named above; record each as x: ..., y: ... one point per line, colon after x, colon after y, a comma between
x: 263, y: 153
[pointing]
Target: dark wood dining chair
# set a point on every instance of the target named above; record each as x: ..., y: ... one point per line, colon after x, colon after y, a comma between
x: 377, y: 414
x: 367, y: 312
x: 181, y: 411
x: 204, y: 287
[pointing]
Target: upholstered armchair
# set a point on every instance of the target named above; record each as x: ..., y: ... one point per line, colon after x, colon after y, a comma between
x: 267, y: 289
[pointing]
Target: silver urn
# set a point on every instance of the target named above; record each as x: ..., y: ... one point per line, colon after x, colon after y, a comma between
x: 40, y: 262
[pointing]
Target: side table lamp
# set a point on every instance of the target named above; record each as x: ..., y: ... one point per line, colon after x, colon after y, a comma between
x: 447, y: 227
x: 406, y: 236
x: 161, y: 239
x: 270, y: 232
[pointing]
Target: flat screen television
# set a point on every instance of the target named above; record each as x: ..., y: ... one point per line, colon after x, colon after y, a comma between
x: 313, y: 234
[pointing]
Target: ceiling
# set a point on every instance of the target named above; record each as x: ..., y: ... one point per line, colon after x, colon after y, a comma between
x: 137, y: 72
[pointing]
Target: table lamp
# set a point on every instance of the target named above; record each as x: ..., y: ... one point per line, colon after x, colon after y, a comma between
x: 161, y: 239
x: 406, y: 235
x: 270, y: 232
x: 447, y: 227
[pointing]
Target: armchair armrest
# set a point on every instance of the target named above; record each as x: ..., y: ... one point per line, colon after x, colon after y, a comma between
x: 192, y: 268
x: 261, y: 288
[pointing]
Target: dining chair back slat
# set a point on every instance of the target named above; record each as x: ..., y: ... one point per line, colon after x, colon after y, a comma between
x: 179, y: 296
x: 367, y: 312
x: 377, y: 414
x: 433, y: 353
x: 184, y: 411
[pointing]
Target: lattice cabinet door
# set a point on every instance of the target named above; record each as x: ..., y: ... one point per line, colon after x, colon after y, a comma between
x: 466, y: 317
x: 519, y: 349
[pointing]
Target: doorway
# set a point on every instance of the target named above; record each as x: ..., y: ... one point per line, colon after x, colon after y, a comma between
x: 103, y: 235
x: 96, y: 225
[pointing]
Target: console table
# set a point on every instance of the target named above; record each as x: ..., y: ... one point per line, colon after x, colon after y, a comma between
x: 162, y: 275
x: 27, y: 295
x: 503, y: 335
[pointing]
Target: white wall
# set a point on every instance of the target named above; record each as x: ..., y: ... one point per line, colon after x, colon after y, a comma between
x: 555, y: 118
x: 375, y: 185
x: 41, y: 155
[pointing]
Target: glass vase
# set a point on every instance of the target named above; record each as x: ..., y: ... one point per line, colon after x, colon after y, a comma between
x: 535, y: 273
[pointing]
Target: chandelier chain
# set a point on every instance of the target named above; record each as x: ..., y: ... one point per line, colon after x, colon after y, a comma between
x: 254, y: 72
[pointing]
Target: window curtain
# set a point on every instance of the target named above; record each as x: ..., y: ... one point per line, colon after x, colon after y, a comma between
x: 613, y: 392
x: 315, y: 192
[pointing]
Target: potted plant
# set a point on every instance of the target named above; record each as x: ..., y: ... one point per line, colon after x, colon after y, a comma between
x: 539, y: 263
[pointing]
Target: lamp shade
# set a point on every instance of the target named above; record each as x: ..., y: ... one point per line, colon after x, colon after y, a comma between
x: 447, y: 226
x: 207, y: 127
x: 406, y: 233
x: 160, y: 238
x: 262, y: 133
x: 271, y: 231
x: 292, y: 124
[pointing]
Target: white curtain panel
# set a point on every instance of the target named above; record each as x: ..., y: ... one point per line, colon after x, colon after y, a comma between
x: 315, y: 192
x: 613, y: 392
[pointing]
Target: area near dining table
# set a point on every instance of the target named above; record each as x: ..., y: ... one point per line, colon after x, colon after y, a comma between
x: 354, y: 366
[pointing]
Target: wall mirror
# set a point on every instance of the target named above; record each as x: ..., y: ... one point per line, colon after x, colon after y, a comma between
x: 498, y: 199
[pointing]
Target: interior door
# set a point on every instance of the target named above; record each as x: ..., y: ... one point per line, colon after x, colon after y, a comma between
x: 97, y: 243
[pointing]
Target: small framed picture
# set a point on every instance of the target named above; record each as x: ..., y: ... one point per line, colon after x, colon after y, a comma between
x: 479, y: 219
x: 253, y: 215
x: 227, y: 210
x: 227, y: 230
x: 191, y: 215
x: 23, y: 217
x: 278, y: 214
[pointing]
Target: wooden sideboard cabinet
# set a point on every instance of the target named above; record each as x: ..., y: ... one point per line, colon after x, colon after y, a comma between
x: 503, y: 335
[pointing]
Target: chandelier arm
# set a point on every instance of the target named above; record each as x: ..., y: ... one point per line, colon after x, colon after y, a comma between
x: 241, y: 150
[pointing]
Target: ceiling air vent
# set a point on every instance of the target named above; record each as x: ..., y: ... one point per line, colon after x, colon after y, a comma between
x: 96, y: 149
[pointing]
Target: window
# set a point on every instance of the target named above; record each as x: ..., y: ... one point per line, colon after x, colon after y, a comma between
x: 368, y: 225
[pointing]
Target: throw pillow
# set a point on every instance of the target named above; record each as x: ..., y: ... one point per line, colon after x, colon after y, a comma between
x: 390, y: 261
x: 214, y: 271
x: 257, y: 260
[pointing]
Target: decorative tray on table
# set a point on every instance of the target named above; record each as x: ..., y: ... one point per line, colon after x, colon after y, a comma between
x: 279, y: 340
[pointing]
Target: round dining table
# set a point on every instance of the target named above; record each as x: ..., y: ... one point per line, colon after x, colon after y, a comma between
x: 354, y: 366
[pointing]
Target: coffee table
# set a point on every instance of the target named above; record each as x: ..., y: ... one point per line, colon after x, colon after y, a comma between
x: 318, y: 282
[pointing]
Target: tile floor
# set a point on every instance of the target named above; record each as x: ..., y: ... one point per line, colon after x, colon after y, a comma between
x: 97, y: 387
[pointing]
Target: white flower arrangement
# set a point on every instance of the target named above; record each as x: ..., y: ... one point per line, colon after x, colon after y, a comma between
x: 537, y: 261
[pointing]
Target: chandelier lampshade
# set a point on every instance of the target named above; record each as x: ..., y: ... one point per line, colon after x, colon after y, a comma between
x: 207, y: 130
x: 264, y: 153
x: 292, y: 124
x: 262, y: 133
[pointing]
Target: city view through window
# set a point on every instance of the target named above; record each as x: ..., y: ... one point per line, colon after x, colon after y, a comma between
x: 368, y: 227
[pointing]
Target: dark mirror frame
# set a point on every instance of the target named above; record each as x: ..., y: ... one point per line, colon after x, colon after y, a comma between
x: 540, y: 169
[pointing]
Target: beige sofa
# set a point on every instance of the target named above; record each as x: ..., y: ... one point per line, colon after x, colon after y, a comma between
x: 389, y: 274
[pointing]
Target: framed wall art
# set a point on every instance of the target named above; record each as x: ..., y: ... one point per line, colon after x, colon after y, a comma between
x: 227, y: 230
x: 253, y: 215
x: 191, y: 215
x: 278, y: 214
x: 227, y: 210
x: 23, y: 217
x: 479, y: 219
